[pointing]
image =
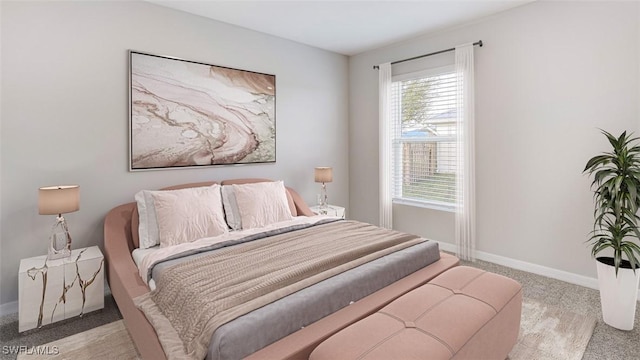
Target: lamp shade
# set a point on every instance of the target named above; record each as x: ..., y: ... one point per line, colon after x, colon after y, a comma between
x: 323, y: 174
x: 61, y: 199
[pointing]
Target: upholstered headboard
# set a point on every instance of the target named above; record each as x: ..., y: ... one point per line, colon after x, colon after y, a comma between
x: 296, y: 203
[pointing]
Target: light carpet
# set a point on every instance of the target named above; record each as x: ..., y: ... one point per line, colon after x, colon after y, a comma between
x: 546, y: 333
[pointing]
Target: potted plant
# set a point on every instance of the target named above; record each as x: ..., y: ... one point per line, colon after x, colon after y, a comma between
x: 616, y: 183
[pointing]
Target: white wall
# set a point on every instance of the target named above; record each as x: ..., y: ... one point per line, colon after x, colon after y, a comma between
x: 65, y: 119
x: 550, y: 74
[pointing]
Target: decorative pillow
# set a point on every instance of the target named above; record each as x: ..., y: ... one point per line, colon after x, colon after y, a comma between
x: 148, y: 227
x: 261, y: 204
x: 231, y: 212
x: 190, y: 214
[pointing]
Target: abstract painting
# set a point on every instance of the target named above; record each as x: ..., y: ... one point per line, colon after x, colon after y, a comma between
x: 186, y: 113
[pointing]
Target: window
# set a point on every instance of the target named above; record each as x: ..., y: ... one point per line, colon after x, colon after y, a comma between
x: 423, y: 143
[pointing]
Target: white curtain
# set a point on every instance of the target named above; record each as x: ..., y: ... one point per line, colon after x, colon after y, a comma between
x: 384, y: 87
x: 465, y: 174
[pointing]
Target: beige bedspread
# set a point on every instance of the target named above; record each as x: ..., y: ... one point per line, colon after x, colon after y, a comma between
x: 194, y: 298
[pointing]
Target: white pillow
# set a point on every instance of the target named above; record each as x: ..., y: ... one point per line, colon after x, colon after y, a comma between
x: 148, y: 227
x: 231, y: 212
x: 190, y: 214
x: 148, y: 223
x: 262, y: 204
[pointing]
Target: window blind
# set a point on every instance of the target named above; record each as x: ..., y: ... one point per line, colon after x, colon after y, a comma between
x: 423, y: 135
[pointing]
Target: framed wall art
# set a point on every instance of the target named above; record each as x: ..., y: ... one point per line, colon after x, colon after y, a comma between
x: 186, y: 114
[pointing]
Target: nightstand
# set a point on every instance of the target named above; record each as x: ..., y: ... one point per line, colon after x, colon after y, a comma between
x: 54, y: 290
x: 331, y: 210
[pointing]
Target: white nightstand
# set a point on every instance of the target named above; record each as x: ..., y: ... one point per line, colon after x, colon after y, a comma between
x: 331, y: 210
x: 54, y: 290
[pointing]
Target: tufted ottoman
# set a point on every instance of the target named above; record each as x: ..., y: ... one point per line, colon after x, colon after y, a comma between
x: 465, y: 313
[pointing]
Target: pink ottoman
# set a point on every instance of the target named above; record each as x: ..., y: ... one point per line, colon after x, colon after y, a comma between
x: 465, y: 313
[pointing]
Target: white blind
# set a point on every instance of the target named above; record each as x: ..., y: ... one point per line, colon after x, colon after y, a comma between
x: 424, y: 137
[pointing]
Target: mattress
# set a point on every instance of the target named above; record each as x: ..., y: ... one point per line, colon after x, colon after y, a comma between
x: 259, y: 328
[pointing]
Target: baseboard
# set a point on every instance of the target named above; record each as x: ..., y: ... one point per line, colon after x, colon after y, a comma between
x: 562, y: 275
x: 8, y: 308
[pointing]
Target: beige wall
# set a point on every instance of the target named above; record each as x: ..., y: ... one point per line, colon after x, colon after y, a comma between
x: 64, y: 116
x: 550, y: 74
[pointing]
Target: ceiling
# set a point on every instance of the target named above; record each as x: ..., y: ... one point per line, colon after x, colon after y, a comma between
x: 344, y: 27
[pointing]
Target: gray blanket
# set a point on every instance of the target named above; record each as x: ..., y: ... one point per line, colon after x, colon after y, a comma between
x: 270, y: 323
x: 196, y: 297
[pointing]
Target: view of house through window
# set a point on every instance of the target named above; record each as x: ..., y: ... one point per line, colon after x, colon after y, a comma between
x: 423, y: 134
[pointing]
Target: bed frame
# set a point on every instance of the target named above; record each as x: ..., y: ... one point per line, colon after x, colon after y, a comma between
x: 120, y: 239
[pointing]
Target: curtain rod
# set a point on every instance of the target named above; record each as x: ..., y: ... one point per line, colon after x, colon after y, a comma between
x: 479, y: 43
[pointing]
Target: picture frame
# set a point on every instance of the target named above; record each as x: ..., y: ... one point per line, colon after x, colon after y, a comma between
x: 189, y: 114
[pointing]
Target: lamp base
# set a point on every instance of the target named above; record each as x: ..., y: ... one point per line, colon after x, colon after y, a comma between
x: 59, y: 241
x: 324, y: 200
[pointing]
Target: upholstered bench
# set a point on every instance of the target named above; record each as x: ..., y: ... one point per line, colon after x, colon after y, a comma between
x: 464, y: 313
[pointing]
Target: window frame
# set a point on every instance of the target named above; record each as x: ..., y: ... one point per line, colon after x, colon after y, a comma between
x: 428, y: 204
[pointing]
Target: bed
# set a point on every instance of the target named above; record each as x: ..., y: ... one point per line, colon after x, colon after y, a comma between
x: 289, y: 325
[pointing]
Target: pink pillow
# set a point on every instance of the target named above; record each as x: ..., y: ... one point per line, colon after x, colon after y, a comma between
x: 187, y: 215
x: 262, y: 204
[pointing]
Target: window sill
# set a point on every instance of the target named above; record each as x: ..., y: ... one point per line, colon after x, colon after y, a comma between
x: 433, y: 205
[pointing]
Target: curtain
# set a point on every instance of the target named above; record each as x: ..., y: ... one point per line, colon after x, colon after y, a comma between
x: 465, y: 221
x: 384, y: 111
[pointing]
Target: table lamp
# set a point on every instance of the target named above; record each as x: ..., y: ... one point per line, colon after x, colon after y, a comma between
x: 58, y: 200
x: 323, y: 175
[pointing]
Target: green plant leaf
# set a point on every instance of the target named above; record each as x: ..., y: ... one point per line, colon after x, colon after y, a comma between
x: 615, y: 184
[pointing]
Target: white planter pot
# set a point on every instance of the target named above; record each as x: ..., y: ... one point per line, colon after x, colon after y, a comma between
x: 618, y: 295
